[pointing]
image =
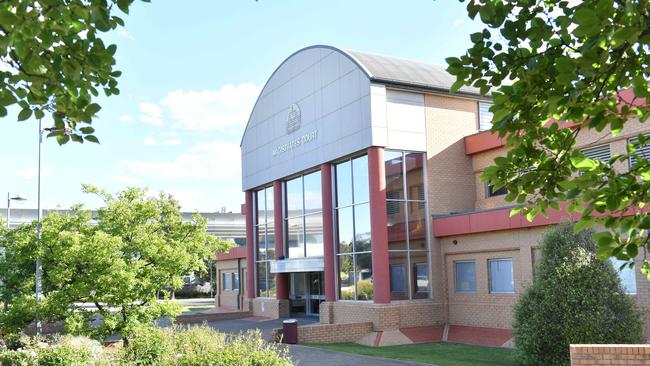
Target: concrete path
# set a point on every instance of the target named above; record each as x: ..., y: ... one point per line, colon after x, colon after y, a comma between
x: 302, y: 355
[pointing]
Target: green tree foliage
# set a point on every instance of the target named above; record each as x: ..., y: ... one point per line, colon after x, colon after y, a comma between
x: 54, y: 60
x: 137, y: 249
x: 549, y: 61
x: 575, y: 298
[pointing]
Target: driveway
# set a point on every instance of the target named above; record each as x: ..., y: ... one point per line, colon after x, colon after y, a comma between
x: 302, y: 355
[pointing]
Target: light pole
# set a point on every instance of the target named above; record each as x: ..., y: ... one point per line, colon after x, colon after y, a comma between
x: 9, y: 199
x: 39, y: 226
x: 18, y: 197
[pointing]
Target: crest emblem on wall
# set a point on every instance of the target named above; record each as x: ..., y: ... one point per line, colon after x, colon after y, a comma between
x: 293, y: 118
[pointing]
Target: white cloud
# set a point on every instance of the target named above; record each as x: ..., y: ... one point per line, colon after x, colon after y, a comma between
x: 126, y: 180
x: 126, y: 118
x: 151, y: 114
x: 458, y: 22
x: 124, y: 34
x: 31, y: 173
x: 208, y: 110
x: 150, y: 140
x: 211, y: 161
x: 191, y: 200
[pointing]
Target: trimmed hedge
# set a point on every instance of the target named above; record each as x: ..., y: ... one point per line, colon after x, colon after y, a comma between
x: 574, y: 298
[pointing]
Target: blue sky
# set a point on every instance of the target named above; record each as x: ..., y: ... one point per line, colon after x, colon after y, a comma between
x: 191, y: 73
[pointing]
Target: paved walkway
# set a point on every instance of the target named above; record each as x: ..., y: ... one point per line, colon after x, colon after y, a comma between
x: 302, y: 355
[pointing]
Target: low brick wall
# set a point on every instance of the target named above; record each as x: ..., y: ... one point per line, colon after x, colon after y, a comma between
x: 210, y: 317
x: 329, y: 333
x: 402, y: 314
x: 610, y: 354
x: 270, y: 308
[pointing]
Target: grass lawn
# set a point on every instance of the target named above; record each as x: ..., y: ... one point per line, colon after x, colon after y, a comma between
x: 197, y: 308
x: 442, y: 354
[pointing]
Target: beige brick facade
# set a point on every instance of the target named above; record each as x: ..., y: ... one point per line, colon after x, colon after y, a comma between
x: 270, y: 308
x: 399, y: 314
x: 231, y: 297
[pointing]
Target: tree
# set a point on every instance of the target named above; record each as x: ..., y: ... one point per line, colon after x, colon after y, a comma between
x: 138, y: 248
x: 554, y: 69
x: 54, y: 61
x: 575, y: 298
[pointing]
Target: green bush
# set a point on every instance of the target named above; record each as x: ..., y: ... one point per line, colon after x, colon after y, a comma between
x: 574, y: 298
x: 196, y: 346
x: 199, y: 346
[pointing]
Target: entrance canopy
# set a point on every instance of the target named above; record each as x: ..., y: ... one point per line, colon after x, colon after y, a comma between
x: 294, y: 265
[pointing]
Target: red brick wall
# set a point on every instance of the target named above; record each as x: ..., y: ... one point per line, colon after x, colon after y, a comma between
x: 610, y: 354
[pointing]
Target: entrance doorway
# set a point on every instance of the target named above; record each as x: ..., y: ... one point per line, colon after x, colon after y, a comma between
x: 306, y: 293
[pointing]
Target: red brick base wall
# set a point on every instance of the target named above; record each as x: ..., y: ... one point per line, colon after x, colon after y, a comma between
x: 610, y: 354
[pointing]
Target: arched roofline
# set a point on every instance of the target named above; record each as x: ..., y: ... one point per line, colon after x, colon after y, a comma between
x: 336, y: 49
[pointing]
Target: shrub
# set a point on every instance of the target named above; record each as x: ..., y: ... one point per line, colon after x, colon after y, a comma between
x: 574, y: 298
x: 199, y: 346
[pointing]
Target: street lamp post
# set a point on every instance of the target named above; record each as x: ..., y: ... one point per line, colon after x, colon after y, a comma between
x: 9, y: 199
x: 18, y: 197
x: 39, y: 226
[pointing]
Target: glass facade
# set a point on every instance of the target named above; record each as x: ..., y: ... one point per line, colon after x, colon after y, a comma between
x: 352, y: 216
x: 304, y: 216
x: 264, y: 235
x: 407, y: 225
x: 626, y: 274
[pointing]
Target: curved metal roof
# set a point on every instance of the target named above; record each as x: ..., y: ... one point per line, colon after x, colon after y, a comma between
x: 393, y: 71
x: 407, y: 73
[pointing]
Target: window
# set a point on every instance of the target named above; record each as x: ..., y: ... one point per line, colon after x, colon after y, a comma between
x: 465, y: 276
x: 407, y: 226
x: 264, y: 237
x: 627, y: 275
x: 601, y: 153
x: 304, y: 216
x: 484, y: 116
x: 235, y: 281
x: 397, y: 278
x: 353, y: 229
x: 501, y: 276
x: 491, y: 192
x: 226, y: 281
x: 643, y: 151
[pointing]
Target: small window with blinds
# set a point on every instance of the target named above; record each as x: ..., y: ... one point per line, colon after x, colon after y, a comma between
x: 642, y: 151
x: 484, y: 116
x: 600, y: 152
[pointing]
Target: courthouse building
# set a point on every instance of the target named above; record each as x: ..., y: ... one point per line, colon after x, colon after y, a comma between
x: 364, y: 203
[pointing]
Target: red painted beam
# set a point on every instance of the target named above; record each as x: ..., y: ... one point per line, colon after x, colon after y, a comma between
x: 250, y: 247
x: 233, y: 253
x: 328, y: 231
x: 378, y: 226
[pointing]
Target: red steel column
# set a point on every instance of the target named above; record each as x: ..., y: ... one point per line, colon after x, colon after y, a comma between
x: 250, y: 247
x: 281, y: 279
x: 378, y: 225
x: 328, y: 232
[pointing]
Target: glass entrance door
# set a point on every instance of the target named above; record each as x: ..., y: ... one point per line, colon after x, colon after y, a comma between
x: 306, y: 293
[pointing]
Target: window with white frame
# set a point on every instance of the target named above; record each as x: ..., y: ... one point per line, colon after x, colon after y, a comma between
x: 643, y: 151
x: 601, y: 153
x: 626, y: 274
x: 484, y: 116
x: 501, y: 278
x: 465, y: 273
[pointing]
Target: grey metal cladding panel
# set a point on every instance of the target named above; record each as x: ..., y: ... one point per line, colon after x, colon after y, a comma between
x: 400, y: 70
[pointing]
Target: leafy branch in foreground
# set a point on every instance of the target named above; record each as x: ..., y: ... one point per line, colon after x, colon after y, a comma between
x: 557, y: 70
x: 54, y: 61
